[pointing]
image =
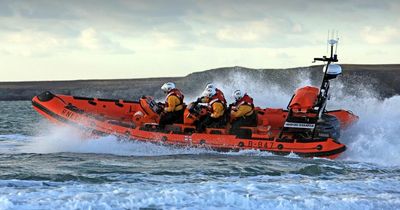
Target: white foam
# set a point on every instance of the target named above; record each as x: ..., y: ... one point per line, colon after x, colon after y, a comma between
x: 16, y: 137
x: 257, y: 192
x: 372, y: 139
x: 375, y: 137
x: 264, y: 94
x: 5, y: 203
x: 67, y: 139
x: 10, y: 142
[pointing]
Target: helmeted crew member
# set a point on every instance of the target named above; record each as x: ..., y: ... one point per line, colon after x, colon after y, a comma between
x: 217, y: 91
x: 242, y: 111
x: 216, y: 110
x: 173, y: 106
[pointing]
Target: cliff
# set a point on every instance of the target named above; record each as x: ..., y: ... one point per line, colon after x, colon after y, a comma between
x: 380, y: 79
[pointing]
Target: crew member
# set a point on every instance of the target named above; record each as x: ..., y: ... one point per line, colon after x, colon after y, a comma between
x: 216, y: 110
x: 242, y: 111
x: 173, y: 106
x: 219, y: 93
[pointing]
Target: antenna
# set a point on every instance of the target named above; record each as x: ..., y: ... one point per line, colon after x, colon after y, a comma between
x: 337, y: 41
x: 327, y: 45
x: 323, y: 95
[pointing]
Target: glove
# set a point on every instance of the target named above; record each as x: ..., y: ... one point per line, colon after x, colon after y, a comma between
x: 198, y: 100
x: 160, y: 110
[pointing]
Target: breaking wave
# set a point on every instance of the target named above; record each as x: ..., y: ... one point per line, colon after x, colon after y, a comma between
x: 372, y: 139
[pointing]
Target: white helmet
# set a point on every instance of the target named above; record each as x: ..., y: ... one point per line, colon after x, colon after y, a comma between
x: 208, y: 92
x: 238, y: 94
x: 210, y: 85
x: 167, y: 87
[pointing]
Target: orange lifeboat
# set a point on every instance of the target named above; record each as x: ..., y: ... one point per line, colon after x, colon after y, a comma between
x: 306, y: 128
x: 137, y: 120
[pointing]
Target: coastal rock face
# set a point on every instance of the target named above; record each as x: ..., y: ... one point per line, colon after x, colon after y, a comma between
x: 381, y: 80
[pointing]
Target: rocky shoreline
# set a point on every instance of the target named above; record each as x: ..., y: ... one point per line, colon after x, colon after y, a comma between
x: 383, y: 80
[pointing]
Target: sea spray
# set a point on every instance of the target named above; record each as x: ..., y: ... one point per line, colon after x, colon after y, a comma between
x: 67, y: 139
x: 372, y: 139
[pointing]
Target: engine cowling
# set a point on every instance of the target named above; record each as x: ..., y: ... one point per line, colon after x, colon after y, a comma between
x: 304, y: 100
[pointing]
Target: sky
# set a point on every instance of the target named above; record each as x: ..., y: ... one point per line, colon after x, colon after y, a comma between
x: 103, y: 39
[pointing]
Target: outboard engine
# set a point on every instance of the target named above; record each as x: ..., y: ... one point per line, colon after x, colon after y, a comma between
x: 303, y: 101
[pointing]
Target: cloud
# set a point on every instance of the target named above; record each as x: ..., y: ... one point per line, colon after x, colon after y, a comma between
x: 380, y: 35
x: 259, y: 32
x: 39, y: 9
x: 178, y: 33
x: 162, y: 40
x: 253, y: 31
x: 91, y: 39
x: 179, y: 23
x: 31, y: 43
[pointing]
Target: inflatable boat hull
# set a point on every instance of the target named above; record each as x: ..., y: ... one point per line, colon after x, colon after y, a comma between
x: 115, y: 117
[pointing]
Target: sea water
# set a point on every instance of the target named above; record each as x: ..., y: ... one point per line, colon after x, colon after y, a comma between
x: 43, y: 166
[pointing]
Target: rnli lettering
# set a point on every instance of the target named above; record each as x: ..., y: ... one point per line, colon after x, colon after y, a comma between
x: 68, y: 114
